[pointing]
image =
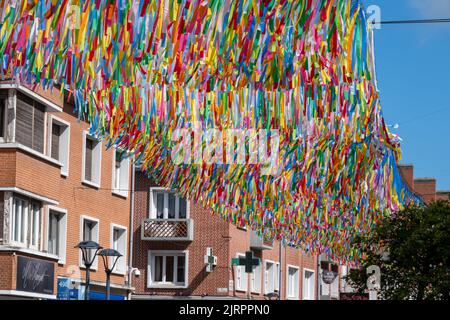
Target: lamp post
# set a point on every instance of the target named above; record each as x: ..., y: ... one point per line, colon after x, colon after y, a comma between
x: 86, y: 247
x: 106, y: 255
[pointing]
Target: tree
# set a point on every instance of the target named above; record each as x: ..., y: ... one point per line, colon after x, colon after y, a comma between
x: 412, y: 250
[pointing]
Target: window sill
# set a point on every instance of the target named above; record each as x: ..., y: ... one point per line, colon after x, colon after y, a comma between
x: 23, y: 249
x: 90, y: 184
x: 166, y: 286
x: 30, y: 151
x: 120, y: 194
x: 119, y: 273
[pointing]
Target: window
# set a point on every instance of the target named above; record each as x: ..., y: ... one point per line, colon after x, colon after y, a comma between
x: 271, y: 283
x: 26, y: 221
x: 119, y: 243
x: 30, y: 122
x: 56, y: 233
x: 20, y: 220
x: 58, y: 146
x: 308, y: 284
x: 3, y: 99
x: 35, y: 225
x: 292, y: 283
x: 255, y: 280
x: 168, y: 205
x: 121, y: 169
x: 89, y: 232
x: 241, y: 276
x: 91, y: 160
x: 167, y: 269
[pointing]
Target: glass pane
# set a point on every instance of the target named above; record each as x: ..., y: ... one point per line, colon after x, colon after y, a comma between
x: 180, y: 269
x: 17, y: 222
x: 171, y: 213
x: 182, y: 208
x: 55, y: 141
x: 24, y: 221
x: 160, y: 205
x: 158, y: 269
x: 35, y: 225
x: 169, y: 268
x: 88, y: 160
x: 53, y: 234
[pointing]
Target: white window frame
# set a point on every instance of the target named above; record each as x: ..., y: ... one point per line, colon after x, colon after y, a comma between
x: 96, y: 161
x: 121, y: 265
x: 62, y: 232
x: 275, y: 277
x: 240, y: 273
x: 95, y: 238
x: 13, y: 223
x: 5, y: 118
x: 255, y: 278
x: 296, y: 295
x: 153, y: 210
x: 151, y: 268
x: 31, y: 224
x: 304, y: 297
x: 64, y: 143
x: 124, y: 173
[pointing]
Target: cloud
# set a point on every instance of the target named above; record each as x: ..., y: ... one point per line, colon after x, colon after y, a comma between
x: 432, y: 9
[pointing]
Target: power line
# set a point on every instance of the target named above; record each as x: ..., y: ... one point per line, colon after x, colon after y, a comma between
x: 417, y: 21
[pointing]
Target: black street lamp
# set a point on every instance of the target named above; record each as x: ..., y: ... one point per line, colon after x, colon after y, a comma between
x: 86, y: 248
x: 110, y: 257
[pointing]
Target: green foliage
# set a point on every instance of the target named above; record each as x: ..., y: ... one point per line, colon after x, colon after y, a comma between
x: 412, y: 249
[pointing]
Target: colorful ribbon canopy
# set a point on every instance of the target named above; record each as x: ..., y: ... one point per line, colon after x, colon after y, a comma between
x: 153, y: 76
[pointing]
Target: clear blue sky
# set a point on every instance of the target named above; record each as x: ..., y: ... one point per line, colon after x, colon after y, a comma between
x: 413, y: 70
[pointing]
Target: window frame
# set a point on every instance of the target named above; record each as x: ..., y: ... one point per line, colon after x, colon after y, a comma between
x: 275, y: 277
x: 313, y: 282
x: 62, y: 239
x: 13, y: 223
x: 96, y: 239
x: 124, y: 172
x: 166, y: 253
x: 64, y: 153
x: 296, y: 295
x: 256, y: 276
x: 96, y: 161
x: 153, y: 210
x: 27, y: 228
x: 240, y: 270
x: 4, y: 117
x: 123, y: 259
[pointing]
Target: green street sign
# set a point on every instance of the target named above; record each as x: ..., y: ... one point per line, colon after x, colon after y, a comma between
x: 234, y: 261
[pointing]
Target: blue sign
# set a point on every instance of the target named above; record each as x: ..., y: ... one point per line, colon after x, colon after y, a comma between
x: 66, y: 290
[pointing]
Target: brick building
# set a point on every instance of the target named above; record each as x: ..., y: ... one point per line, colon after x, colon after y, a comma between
x: 170, y: 240
x: 424, y: 187
x: 58, y: 186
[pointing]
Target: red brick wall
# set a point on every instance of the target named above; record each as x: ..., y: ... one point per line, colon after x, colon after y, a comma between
x: 7, y: 276
x: 209, y: 231
x: 426, y: 188
x: 407, y: 172
x: 34, y: 174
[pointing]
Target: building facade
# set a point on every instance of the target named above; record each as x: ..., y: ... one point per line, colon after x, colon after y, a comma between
x: 172, y: 236
x: 58, y: 186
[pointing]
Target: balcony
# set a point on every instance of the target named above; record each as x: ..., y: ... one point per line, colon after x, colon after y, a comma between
x: 258, y: 243
x: 167, y: 229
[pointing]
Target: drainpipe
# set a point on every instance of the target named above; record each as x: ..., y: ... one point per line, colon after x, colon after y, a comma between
x: 279, y: 272
x: 130, y: 251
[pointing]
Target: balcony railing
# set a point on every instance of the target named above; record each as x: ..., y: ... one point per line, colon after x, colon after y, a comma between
x: 256, y: 242
x: 167, y: 229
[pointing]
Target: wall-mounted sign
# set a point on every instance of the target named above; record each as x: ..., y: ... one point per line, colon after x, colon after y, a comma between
x: 35, y: 275
x: 328, y: 276
x: 67, y: 289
